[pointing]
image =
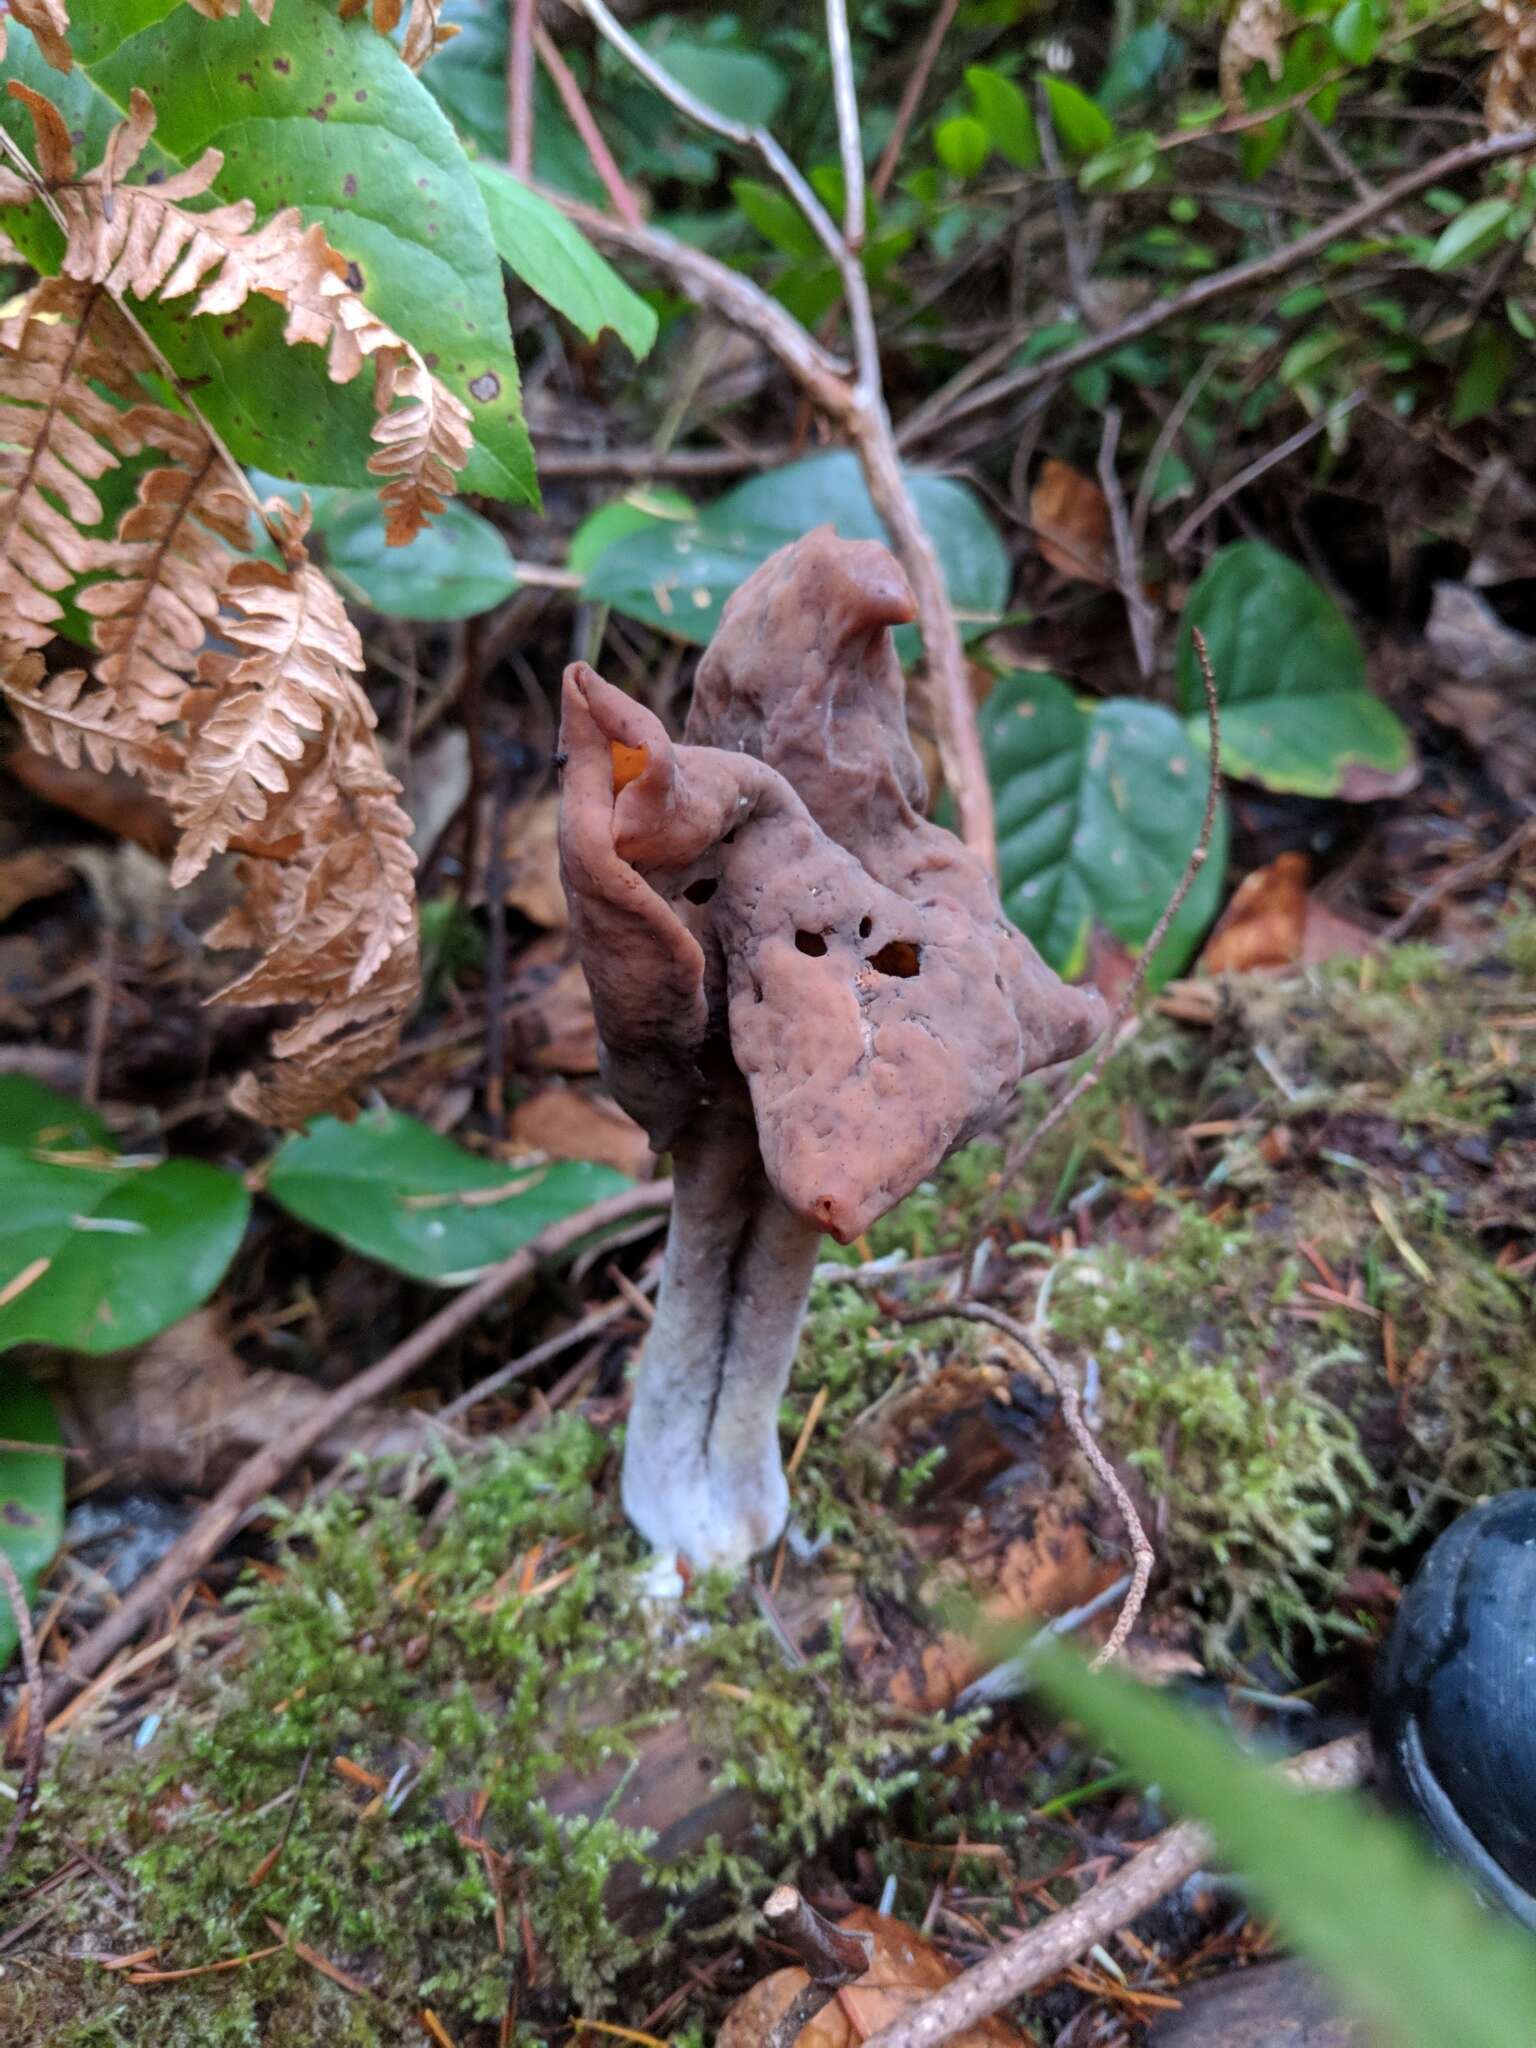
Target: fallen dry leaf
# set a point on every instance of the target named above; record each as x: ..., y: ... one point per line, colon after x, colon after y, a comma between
x: 564, y: 1123
x: 550, y: 1028
x: 113, y: 800
x: 1254, y: 36
x: 533, y: 864
x: 1273, y: 921
x: 905, y: 1968
x: 1070, y: 518
x: 26, y: 877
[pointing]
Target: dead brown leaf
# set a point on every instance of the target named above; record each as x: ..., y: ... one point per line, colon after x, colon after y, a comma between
x: 25, y: 877
x: 533, y: 863
x: 904, y: 1969
x: 564, y: 1123
x: 1273, y: 921
x: 111, y: 800
x: 1254, y: 35
x: 1070, y: 517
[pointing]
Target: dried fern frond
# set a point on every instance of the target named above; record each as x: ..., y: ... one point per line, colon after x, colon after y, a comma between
x: 65, y: 716
x: 225, y: 10
x: 49, y: 23
x: 146, y: 240
x: 295, y: 682
x: 58, y: 437
x: 425, y: 32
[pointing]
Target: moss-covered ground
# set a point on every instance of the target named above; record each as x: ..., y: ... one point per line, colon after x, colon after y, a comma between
x: 1289, y: 1252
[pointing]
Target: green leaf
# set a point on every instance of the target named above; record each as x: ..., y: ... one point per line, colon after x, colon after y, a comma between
x: 31, y: 1491
x: 637, y: 509
x: 1097, y: 814
x: 1129, y: 164
x: 737, y: 82
x: 677, y: 576
x: 1258, y: 148
x: 1140, y: 63
x: 1470, y: 235
x: 391, y: 1189
x: 1492, y: 360
x: 456, y: 567
x: 1083, y: 126
x: 776, y: 217
x: 962, y: 144
x: 130, y: 1247
x: 1357, y: 31
x: 554, y: 259
x: 1290, y: 673
x: 318, y: 113
x: 1006, y: 114
x: 1400, y: 1939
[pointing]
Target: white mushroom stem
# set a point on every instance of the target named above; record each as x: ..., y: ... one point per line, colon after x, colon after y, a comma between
x: 702, y: 1473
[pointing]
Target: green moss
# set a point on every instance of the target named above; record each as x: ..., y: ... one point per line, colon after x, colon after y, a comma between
x: 414, y: 1657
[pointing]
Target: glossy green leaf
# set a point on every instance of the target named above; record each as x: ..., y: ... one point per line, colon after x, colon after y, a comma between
x: 31, y: 1490
x: 638, y: 508
x: 130, y: 1246
x: 1400, y: 1939
x: 1357, y: 31
x: 776, y: 217
x: 1471, y: 234
x: 1097, y: 814
x: 554, y: 259
x: 395, y: 1191
x: 1004, y: 111
x: 1492, y: 359
x: 1082, y: 126
x: 318, y: 113
x: 1296, y: 713
x: 962, y: 145
x: 677, y: 576
x: 1127, y: 165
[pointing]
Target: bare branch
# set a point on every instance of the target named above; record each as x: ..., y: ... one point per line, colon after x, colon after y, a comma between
x: 625, y: 204
x: 1036, y: 1957
x: 912, y: 93
x: 968, y: 392
x: 520, y: 87
x: 1142, y: 1557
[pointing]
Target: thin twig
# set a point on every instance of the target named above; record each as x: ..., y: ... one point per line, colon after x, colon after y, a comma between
x: 1142, y: 1555
x: 1110, y: 1039
x: 830, y: 1957
x: 742, y: 133
x: 260, y: 1475
x: 520, y: 87
x: 1457, y: 878
x: 1138, y: 612
x: 624, y: 201
x: 1261, y: 466
x: 37, y: 1720
x: 1039, y: 1955
x: 642, y: 463
x: 578, y: 1333
x: 968, y: 392
x: 911, y: 95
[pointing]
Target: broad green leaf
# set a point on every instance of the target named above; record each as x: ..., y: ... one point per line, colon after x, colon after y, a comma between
x: 318, y: 113
x: 554, y: 259
x: 1006, y: 114
x: 1084, y: 127
x: 1097, y: 814
x: 737, y: 82
x: 1259, y: 147
x: 122, y: 1247
x: 1296, y: 713
x: 962, y: 144
x: 456, y: 567
x: 677, y: 576
x: 638, y: 508
x: 31, y: 1490
x: 1357, y: 31
x: 1492, y: 359
x: 1129, y: 164
x: 776, y: 217
x: 1400, y: 1939
x: 1471, y: 234
x: 1140, y: 64
x: 395, y: 1191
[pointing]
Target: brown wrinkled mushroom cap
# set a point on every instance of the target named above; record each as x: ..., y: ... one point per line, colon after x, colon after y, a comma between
x: 766, y: 902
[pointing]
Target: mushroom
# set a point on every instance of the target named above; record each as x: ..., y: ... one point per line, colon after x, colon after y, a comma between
x: 804, y: 991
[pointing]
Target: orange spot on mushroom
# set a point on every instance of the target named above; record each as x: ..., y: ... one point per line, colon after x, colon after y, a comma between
x: 629, y: 763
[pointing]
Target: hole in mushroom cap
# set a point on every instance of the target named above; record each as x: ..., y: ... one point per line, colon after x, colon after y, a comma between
x: 810, y: 942
x: 898, y: 956
x: 866, y: 926
x: 701, y: 890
